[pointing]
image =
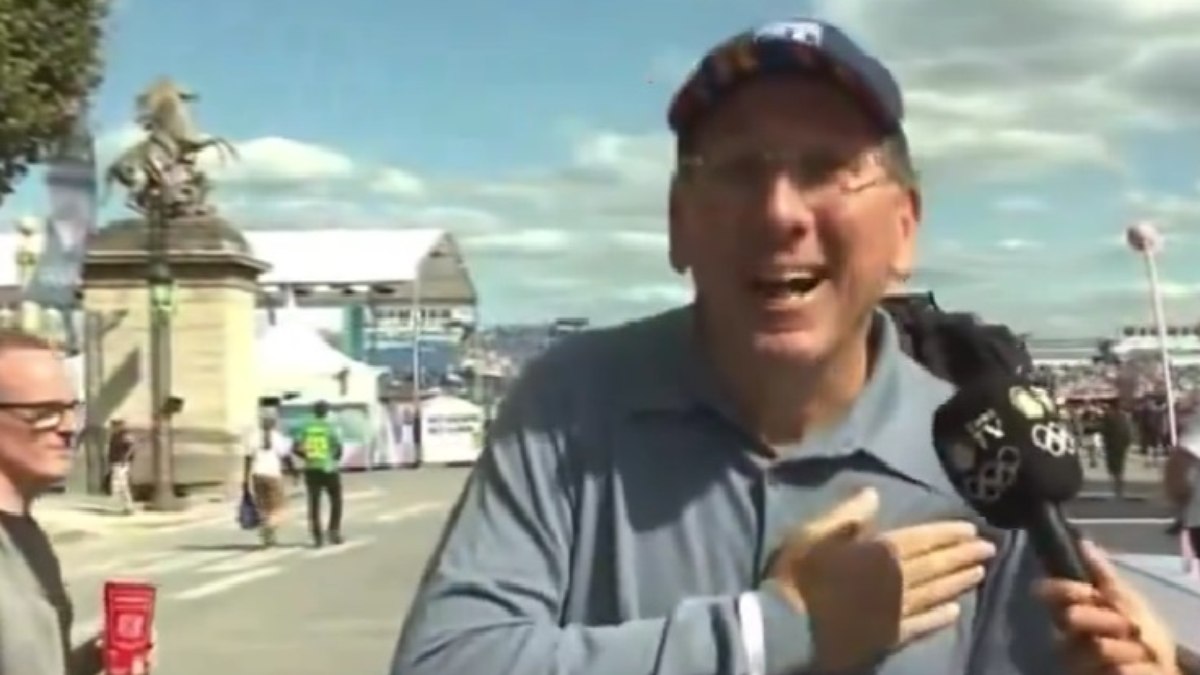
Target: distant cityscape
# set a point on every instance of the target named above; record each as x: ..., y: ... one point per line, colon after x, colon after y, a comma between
x: 449, y: 357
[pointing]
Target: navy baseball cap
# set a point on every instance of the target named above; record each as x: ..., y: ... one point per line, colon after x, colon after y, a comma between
x: 799, y: 46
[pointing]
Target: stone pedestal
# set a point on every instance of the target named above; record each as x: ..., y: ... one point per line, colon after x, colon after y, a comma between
x: 212, y: 335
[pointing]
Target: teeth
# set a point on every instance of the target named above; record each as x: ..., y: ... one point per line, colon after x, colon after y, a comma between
x: 794, y: 284
x: 802, y: 284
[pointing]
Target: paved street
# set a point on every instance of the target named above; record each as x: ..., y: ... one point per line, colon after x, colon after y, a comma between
x: 1136, y: 524
x: 228, y: 607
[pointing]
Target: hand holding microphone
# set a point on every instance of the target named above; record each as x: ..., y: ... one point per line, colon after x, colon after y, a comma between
x: 1015, y: 461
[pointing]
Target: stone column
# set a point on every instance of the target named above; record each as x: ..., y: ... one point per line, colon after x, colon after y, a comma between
x: 213, y: 342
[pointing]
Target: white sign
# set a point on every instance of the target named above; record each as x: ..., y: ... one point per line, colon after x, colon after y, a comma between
x: 451, y: 430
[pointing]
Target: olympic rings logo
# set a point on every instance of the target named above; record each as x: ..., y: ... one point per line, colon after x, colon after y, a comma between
x: 995, y: 476
x: 1054, y: 438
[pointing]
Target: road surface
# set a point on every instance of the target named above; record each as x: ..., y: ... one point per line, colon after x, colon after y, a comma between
x: 1134, y: 525
x: 228, y: 607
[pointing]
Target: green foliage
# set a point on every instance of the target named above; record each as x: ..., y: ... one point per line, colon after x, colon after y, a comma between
x: 49, y: 61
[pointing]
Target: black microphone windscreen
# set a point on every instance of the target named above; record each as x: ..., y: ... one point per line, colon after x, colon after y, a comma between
x: 1006, y: 449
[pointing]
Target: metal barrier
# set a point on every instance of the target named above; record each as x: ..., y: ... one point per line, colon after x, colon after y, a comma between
x: 1174, y: 594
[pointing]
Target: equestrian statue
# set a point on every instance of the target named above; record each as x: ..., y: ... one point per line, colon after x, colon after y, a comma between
x: 160, y: 172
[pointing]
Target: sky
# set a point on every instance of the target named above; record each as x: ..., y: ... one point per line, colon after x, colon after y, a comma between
x: 535, y: 132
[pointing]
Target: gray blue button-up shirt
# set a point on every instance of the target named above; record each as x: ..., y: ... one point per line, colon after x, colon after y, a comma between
x: 619, y: 513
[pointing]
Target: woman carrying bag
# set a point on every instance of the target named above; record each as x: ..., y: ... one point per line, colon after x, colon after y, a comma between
x: 264, y: 495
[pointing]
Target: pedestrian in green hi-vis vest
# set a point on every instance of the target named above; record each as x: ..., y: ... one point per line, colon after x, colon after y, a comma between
x: 318, y: 445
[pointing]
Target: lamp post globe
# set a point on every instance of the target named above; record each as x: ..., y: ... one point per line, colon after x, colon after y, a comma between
x: 1144, y: 238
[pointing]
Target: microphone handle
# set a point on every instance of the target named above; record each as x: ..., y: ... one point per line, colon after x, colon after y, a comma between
x: 1056, y: 543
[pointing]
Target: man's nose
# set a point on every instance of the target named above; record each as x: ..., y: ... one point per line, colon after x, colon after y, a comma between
x: 787, y: 208
x: 71, y: 420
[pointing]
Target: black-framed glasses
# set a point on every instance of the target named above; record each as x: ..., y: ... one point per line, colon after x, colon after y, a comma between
x: 826, y: 172
x: 42, y: 415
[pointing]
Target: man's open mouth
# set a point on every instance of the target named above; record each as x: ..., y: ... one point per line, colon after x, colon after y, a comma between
x: 796, y: 285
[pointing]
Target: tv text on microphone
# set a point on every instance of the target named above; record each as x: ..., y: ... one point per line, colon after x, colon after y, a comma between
x: 1009, y: 453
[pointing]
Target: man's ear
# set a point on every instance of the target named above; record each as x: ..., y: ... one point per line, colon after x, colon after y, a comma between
x: 676, y: 237
x: 909, y: 224
x: 914, y: 199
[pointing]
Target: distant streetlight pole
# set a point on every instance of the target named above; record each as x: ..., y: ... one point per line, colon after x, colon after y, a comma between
x: 161, y: 287
x: 1145, y: 240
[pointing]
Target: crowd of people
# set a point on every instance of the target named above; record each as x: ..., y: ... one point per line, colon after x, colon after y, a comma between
x: 1133, y: 378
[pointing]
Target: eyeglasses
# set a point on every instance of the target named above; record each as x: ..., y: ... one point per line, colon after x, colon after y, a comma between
x: 826, y: 173
x: 43, y: 415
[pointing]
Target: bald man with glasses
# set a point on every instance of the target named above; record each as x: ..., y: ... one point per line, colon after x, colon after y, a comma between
x: 39, y: 415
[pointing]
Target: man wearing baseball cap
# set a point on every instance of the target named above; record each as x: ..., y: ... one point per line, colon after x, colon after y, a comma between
x: 747, y: 485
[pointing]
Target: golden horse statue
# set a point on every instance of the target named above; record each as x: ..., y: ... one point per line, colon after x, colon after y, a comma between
x: 162, y: 166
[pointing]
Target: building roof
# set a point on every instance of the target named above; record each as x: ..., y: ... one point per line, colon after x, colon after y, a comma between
x: 320, y: 265
x: 331, y: 266
x: 1189, y: 344
x: 344, y: 256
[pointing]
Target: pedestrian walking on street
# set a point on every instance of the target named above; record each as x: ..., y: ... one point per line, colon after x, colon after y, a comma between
x: 319, y: 447
x: 1116, y: 431
x: 39, y: 416
x: 268, y: 452
x: 120, y: 460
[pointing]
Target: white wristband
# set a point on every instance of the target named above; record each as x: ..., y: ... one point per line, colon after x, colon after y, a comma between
x: 754, y: 637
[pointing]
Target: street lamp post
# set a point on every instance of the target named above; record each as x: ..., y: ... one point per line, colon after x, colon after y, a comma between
x: 161, y: 287
x: 1145, y: 240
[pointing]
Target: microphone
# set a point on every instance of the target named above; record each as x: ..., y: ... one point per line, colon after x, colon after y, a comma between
x: 1012, y: 457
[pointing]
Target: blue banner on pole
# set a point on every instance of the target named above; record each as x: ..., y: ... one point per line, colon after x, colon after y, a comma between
x: 73, y: 187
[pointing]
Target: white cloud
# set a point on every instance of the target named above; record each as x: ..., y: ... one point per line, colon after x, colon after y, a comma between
x: 1178, y: 291
x: 520, y: 241
x: 1018, y: 244
x: 458, y: 219
x: 657, y: 294
x: 113, y: 141
x: 1008, y: 86
x: 654, y: 242
x: 626, y: 157
x: 398, y: 182
x: 1167, y: 209
x: 275, y: 160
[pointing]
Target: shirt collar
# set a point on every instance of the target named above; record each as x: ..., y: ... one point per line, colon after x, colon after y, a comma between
x: 891, y: 419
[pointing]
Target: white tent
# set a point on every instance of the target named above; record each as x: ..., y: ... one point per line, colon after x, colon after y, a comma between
x: 294, y: 358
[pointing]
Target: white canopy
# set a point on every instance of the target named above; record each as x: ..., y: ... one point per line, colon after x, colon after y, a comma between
x: 293, y: 357
x: 297, y: 349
